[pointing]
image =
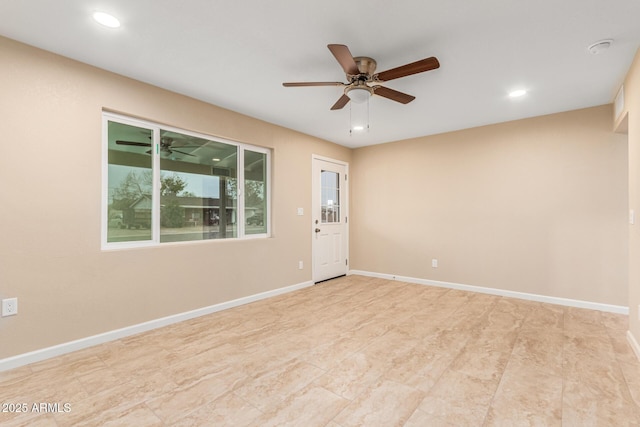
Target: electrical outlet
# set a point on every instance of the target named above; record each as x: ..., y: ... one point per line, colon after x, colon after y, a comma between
x: 434, y: 263
x: 9, y: 307
x: 300, y: 265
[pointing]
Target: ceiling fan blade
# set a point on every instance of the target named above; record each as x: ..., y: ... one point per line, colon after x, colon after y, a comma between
x: 344, y: 100
x: 134, y: 143
x: 393, y: 95
x: 421, y: 66
x: 344, y: 57
x: 302, y: 84
x: 182, y: 152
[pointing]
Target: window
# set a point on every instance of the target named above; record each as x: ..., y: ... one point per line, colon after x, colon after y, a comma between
x: 255, y: 192
x: 170, y: 185
x: 130, y: 183
x: 330, y: 183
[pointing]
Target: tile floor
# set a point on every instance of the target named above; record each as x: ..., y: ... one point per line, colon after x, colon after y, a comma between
x: 354, y: 351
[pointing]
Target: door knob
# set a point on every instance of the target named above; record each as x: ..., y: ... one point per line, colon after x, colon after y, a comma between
x: 317, y: 230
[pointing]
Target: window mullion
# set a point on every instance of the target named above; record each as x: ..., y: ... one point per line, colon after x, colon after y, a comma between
x: 240, y: 185
x: 156, y: 185
x: 268, y: 213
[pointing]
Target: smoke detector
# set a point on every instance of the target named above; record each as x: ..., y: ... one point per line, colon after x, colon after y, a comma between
x: 600, y: 46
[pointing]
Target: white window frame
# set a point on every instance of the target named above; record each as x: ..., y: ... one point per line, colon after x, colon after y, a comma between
x: 155, y: 216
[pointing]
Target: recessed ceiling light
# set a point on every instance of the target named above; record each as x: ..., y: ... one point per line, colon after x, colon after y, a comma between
x: 215, y: 159
x: 106, y: 19
x: 517, y: 93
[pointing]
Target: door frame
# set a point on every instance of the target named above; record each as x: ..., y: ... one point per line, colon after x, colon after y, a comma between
x: 345, y: 210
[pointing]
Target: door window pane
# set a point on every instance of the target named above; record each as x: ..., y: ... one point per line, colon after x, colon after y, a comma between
x: 330, y: 194
x: 130, y: 178
x: 198, y: 188
x: 255, y: 192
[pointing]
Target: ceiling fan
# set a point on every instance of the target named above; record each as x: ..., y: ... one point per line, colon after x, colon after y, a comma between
x: 360, y: 72
x: 166, y: 146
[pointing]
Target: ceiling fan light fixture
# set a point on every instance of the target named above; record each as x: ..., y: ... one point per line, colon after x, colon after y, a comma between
x: 106, y: 19
x: 358, y: 94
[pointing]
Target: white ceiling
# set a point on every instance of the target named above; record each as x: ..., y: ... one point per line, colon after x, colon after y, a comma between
x: 236, y: 54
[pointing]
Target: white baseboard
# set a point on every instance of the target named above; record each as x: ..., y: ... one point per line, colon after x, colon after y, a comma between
x: 68, y: 347
x: 500, y: 292
x: 634, y: 344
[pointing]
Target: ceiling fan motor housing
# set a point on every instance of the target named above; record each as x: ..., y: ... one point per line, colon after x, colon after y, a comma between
x: 366, y: 66
x: 358, y: 90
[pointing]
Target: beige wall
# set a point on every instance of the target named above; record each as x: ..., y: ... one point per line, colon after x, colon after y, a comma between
x: 632, y: 108
x: 50, y: 165
x: 536, y: 206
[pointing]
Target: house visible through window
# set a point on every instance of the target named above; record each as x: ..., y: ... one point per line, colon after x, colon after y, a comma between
x: 169, y: 185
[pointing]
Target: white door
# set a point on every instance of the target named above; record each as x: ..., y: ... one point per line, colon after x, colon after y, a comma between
x: 329, y: 219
